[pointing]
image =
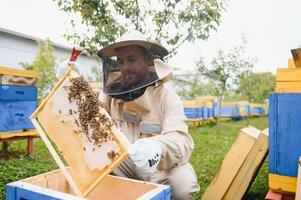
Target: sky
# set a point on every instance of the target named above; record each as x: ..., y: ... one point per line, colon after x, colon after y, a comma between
x: 271, y: 28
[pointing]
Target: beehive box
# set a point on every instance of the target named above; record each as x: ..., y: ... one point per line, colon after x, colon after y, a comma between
x: 18, y: 98
x: 192, y: 109
x: 288, y: 80
x: 53, y: 185
x: 257, y: 109
x: 285, y: 140
x: 227, y: 109
x: 83, y: 132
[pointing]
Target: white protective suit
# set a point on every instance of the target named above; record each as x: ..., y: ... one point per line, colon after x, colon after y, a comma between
x: 157, y: 114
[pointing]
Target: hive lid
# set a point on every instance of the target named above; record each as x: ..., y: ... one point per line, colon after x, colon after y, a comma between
x: 82, y: 132
x: 18, y: 72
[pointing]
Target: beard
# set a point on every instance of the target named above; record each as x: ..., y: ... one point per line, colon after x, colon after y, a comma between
x: 133, y: 79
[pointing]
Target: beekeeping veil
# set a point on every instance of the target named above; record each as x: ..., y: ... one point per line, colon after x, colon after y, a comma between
x: 113, y: 83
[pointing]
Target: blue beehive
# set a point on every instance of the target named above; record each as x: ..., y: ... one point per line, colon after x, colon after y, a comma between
x: 17, y: 102
x: 191, y: 113
x: 246, y: 109
x: 284, y: 131
x: 226, y: 111
x: 199, y: 112
x: 257, y: 111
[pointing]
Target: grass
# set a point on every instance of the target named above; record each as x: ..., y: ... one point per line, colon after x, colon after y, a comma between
x: 210, y: 149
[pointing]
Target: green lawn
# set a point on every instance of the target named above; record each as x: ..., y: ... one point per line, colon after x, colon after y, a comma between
x: 210, y: 148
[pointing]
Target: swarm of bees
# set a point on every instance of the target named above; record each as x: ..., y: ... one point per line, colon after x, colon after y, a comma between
x: 90, y: 116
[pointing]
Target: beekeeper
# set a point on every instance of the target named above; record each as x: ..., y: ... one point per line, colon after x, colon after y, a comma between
x: 148, y: 113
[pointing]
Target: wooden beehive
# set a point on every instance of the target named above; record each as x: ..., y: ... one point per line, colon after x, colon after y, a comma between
x: 53, y: 185
x: 18, y: 98
x: 79, y: 150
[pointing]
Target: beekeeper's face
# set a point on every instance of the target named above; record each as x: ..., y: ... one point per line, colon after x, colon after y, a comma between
x: 134, y: 65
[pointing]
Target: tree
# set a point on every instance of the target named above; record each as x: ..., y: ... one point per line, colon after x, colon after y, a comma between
x: 43, y: 64
x: 190, y: 86
x: 255, y: 87
x: 226, y: 68
x: 169, y: 22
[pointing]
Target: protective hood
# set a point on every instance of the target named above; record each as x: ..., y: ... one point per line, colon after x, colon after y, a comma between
x: 116, y: 87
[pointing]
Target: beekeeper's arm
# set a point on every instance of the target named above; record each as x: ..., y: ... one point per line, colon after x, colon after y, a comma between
x: 175, y: 140
x: 174, y: 146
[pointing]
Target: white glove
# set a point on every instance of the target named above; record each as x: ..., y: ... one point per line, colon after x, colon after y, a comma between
x: 63, y: 66
x: 146, y: 154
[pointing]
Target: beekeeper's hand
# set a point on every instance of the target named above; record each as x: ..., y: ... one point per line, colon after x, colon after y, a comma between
x: 146, y: 154
x: 63, y: 66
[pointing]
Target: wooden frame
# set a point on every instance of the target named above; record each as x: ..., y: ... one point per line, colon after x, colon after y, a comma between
x: 80, y: 178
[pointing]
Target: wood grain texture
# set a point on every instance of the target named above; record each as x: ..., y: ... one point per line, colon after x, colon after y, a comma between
x: 18, y: 72
x: 249, y: 169
x: 231, y: 165
x: 288, y: 74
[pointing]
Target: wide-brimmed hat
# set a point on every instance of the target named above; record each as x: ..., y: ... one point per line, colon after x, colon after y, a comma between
x: 135, y: 38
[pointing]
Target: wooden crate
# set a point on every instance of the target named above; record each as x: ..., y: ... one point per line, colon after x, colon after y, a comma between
x: 80, y: 177
x: 53, y: 185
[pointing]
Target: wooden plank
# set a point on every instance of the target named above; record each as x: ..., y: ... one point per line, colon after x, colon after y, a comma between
x: 231, y: 164
x: 18, y: 72
x: 249, y: 169
x: 282, y: 184
x: 5, y: 135
x: 288, y: 74
x: 30, y: 146
x: 298, y: 190
x: 288, y: 87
